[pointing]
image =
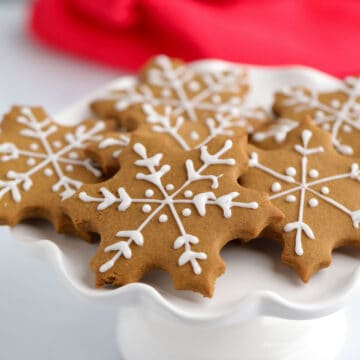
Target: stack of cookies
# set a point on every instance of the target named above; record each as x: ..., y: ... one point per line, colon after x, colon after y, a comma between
x: 171, y: 169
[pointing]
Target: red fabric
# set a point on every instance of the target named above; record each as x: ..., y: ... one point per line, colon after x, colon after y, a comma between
x: 125, y: 33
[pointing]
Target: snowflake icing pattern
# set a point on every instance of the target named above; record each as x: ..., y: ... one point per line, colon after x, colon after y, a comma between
x: 165, y: 123
x: 303, y: 186
x: 190, y: 92
x: 334, y: 117
x: 200, y: 201
x: 47, y: 156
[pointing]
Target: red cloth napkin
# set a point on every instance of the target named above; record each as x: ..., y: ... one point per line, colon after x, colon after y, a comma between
x: 125, y: 33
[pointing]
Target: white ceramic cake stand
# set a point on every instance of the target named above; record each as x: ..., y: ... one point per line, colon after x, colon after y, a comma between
x: 260, y: 310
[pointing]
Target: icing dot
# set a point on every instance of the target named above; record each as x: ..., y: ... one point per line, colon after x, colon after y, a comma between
x: 146, y: 208
x: 235, y: 101
x: 326, y: 127
x: 194, y: 85
x: 291, y: 171
x: 275, y: 187
x: 163, y: 218
x: 325, y: 190
x: 319, y: 114
x: 346, y: 128
x: 30, y: 161
x: 169, y: 187
x: 34, y: 146
x: 356, y: 106
x: 216, y: 99
x: 149, y: 193
x: 165, y: 93
x: 335, y: 103
x: 291, y: 198
x: 69, y: 168
x: 235, y: 111
x: 188, y: 193
x: 57, y: 143
x: 194, y: 135
x: 313, y: 202
x: 186, y: 212
x: 73, y: 155
x: 48, y: 172
x: 313, y: 173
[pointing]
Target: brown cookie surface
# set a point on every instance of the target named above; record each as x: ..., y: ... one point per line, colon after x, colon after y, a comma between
x: 316, y: 189
x: 192, y: 94
x: 182, y: 133
x: 337, y: 112
x: 42, y: 163
x: 171, y: 209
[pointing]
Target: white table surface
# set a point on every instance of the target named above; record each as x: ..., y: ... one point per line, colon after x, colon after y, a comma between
x: 39, y: 317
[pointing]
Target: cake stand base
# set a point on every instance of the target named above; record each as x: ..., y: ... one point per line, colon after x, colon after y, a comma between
x: 147, y: 335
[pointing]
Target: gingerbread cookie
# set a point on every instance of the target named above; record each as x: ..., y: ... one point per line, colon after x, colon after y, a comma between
x: 315, y: 187
x: 43, y: 163
x: 171, y: 209
x: 337, y: 112
x: 184, y: 134
x: 192, y: 95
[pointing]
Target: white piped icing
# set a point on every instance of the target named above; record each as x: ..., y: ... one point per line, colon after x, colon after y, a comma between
x: 73, y: 155
x: 330, y: 116
x: 313, y: 202
x: 278, y: 131
x: 188, y: 193
x: 43, y: 159
x: 57, y: 144
x: 146, y: 208
x: 276, y: 187
x: 149, y: 193
x: 291, y: 171
x: 304, y: 186
x: 347, y: 129
x: 30, y: 162
x: 169, y: 187
x: 290, y: 198
x: 178, y: 87
x: 325, y: 190
x: 194, y: 136
x: 166, y: 93
x: 163, y: 218
x: 34, y: 146
x: 48, y: 172
x: 119, y: 142
x: 194, y: 85
x: 335, y: 103
x: 216, y: 99
x: 153, y: 172
x: 186, y: 212
x: 313, y: 173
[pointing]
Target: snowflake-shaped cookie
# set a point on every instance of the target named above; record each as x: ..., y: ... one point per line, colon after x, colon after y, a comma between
x: 192, y: 94
x: 171, y: 209
x: 43, y: 163
x: 337, y: 112
x: 316, y: 189
x: 183, y: 134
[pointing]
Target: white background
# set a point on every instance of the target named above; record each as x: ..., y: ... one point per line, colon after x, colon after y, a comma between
x: 39, y: 317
